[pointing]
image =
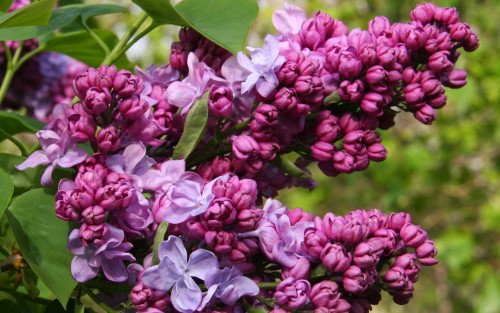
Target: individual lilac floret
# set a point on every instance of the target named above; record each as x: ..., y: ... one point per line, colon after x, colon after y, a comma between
x: 262, y: 68
x: 110, y: 256
x: 289, y: 20
x: 190, y: 197
x: 229, y: 285
x: 175, y: 270
x: 57, y: 150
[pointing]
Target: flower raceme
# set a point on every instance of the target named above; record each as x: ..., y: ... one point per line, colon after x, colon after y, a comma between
x: 317, y: 89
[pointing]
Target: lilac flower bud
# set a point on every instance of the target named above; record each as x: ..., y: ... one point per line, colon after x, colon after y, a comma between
x: 353, y: 143
x: 349, y: 122
x: 248, y: 219
x: 246, y: 195
x: 351, y: 91
x: 355, y: 280
x: 376, y: 77
x: 81, y: 127
x: 446, y: 15
x: 471, y: 42
x: 310, y: 66
x: 268, y: 150
x: 371, y: 137
x: 314, y: 242
x: 413, y: 93
x: 396, y: 278
x: 386, y: 55
x: 413, y: 235
x: 114, y: 196
x: 226, y: 189
x: 125, y: 84
x: 288, y: 73
x: 353, y: 232
x: 221, y: 166
x: 266, y: 114
x: 312, y: 34
x: 92, y: 234
x: 133, y: 108
x: 398, y: 220
x: 221, y: 241
x: 105, y: 77
x: 88, y: 181
x: 286, y: 99
x: 389, y: 239
x: 439, y: 62
x: 179, y: 54
x: 431, y: 86
x: 437, y: 101
x: 220, y: 213
x: 64, y: 210
x: 245, y: 147
x: 426, y: 253
x: 325, y: 294
x: 220, y: 100
x: 322, y: 151
x: 332, y: 226
x: 300, y: 270
x: 149, y: 300
x: 455, y: 79
x: 410, y: 75
x: 107, y: 139
x: 425, y: 114
x: 195, y: 229
x: 96, y: 100
x: 305, y: 85
x: 373, y: 104
x: 335, y: 257
x: 94, y: 215
x: 366, y: 255
x: 292, y: 293
x: 423, y: 13
x: 343, y: 162
x: 377, y: 152
x: 379, y: 25
x: 329, y: 129
x: 349, y: 64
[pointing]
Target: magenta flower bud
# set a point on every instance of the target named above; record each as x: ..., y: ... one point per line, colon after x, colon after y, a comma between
x: 351, y: 91
x: 349, y: 122
x: 220, y: 213
x: 407, y: 262
x: 425, y: 114
x: 377, y: 152
x: 92, y: 234
x: 397, y: 220
x: 88, y: 181
x: 410, y: 75
x: 94, y: 215
x: 353, y: 232
x: 310, y: 66
x: 81, y: 127
x: 268, y: 150
x: 66, y: 211
x: 225, y: 189
x: 439, y: 62
x: 221, y: 241
x: 437, y: 102
x: 105, y: 76
x: 195, y: 229
x: 373, y: 104
x: 355, y: 280
x: 125, y: 84
x: 389, y: 239
x: 371, y: 137
x: 133, y: 108
x: 107, y: 139
x: 300, y: 270
x: 248, y: 219
x: 325, y: 294
x: 423, y: 13
x: 426, y: 253
x: 286, y: 99
x: 376, y: 77
x: 220, y: 100
x: 379, y: 25
x: 349, y: 64
x: 79, y: 199
x: 353, y: 143
x: 178, y: 55
x: 396, y: 278
x: 455, y: 79
x: 386, y: 55
x: 343, y: 162
x: 221, y: 166
x: 96, y: 100
x: 305, y: 85
x: 288, y: 73
x: 114, y: 196
x: 415, y: 38
x: 322, y: 151
x: 332, y: 226
x: 366, y: 255
x: 413, y: 235
x: 331, y: 26
x: 413, y: 93
x: 292, y: 293
x: 335, y: 257
x: 446, y: 15
x: 81, y: 84
x: 329, y: 129
x: 266, y: 114
x: 312, y: 34
x: 314, y: 242
x: 431, y: 86
x: 245, y: 148
x: 471, y: 42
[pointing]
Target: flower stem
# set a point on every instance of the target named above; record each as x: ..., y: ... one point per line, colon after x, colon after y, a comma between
x: 11, y: 69
x: 268, y: 285
x: 119, y: 49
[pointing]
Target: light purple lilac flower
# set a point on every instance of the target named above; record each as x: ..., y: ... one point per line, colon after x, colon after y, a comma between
x: 160, y: 180
x: 109, y: 256
x: 57, y: 150
x: 177, y: 272
x: 289, y: 20
x: 266, y: 61
x: 228, y: 285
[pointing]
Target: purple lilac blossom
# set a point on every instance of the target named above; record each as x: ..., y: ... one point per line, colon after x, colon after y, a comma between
x: 229, y: 285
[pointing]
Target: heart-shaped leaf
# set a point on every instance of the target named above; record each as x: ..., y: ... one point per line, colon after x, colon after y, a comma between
x: 6, y: 190
x: 13, y: 123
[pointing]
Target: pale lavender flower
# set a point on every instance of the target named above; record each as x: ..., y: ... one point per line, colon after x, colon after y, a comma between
x: 158, y: 74
x: 161, y: 180
x: 109, y: 256
x: 289, y: 20
x: 228, y: 285
x: 57, y: 150
x: 176, y: 271
x: 266, y: 61
x: 190, y: 196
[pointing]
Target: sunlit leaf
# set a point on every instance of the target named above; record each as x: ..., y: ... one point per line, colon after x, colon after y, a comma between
x: 13, y: 123
x: 35, y: 14
x: 6, y: 190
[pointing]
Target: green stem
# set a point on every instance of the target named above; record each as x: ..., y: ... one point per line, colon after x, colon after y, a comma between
x: 11, y: 69
x: 7, y: 52
x: 266, y: 302
x: 98, y: 301
x: 27, y: 56
x: 118, y: 50
x: 18, y: 144
x: 25, y: 296
x: 140, y: 35
x: 268, y: 285
x: 101, y: 43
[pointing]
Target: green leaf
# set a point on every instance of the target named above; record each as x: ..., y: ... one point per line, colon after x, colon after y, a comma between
x: 159, y: 238
x: 60, y: 18
x: 194, y: 128
x: 35, y: 14
x: 225, y: 22
x: 84, y: 48
x: 43, y: 239
x: 22, y: 180
x: 161, y: 11
x: 13, y: 123
x: 29, y: 282
x: 5, y: 5
x: 6, y: 190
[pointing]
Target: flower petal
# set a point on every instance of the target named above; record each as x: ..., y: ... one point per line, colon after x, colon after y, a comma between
x: 38, y: 157
x: 186, y: 295
x: 152, y: 279
x: 174, y: 250
x: 81, y: 269
x: 200, y: 262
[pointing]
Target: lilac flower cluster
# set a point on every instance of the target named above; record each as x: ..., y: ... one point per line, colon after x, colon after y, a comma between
x: 316, y: 89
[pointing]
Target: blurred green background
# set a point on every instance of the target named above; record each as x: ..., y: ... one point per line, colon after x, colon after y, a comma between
x: 446, y: 175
